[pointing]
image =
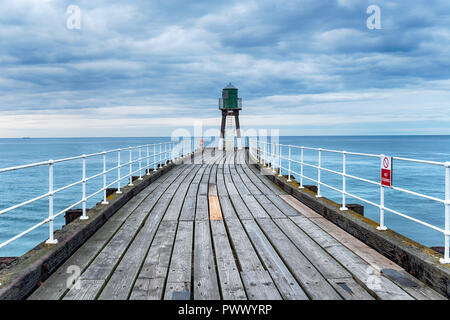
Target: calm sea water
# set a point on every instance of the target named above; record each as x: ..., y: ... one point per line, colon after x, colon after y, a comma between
x: 26, y: 184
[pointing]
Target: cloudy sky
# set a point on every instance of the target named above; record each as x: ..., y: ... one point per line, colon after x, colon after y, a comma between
x: 145, y: 68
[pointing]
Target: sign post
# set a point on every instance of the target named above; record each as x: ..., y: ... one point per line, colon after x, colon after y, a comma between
x: 386, y: 181
x: 386, y: 171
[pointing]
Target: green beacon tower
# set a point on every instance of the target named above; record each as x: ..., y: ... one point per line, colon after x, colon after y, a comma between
x: 230, y: 105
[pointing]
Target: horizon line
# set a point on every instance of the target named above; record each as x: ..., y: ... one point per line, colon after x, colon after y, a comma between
x: 344, y: 135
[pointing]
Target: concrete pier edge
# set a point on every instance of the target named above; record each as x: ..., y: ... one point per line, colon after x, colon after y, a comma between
x: 20, y: 278
x: 419, y: 260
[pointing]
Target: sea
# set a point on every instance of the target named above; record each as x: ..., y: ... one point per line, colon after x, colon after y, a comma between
x: 21, y: 185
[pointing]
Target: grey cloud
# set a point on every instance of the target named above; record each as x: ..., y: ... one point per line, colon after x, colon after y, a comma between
x: 182, y: 53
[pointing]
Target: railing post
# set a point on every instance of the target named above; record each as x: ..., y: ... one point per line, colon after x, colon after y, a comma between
x: 262, y: 155
x: 289, y: 164
x: 447, y: 215
x: 279, y: 159
x: 275, y: 157
x: 266, y: 154
x: 165, y: 154
x: 274, y: 149
x: 160, y: 155
x: 84, y: 215
x: 318, y: 173
x: 131, y: 166
x: 140, y: 163
x: 154, y: 157
x: 381, y: 227
x: 258, y: 150
x: 50, y: 240
x: 261, y: 151
x: 344, y: 187
x: 104, y: 179
x: 301, y: 167
x: 118, y: 172
x: 148, y: 161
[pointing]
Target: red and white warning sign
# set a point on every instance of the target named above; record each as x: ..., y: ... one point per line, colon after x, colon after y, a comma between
x: 386, y: 171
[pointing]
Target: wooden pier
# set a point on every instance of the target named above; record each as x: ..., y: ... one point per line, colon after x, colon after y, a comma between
x: 219, y: 229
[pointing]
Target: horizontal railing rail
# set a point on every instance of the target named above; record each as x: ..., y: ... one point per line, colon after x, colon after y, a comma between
x: 155, y: 156
x: 271, y: 154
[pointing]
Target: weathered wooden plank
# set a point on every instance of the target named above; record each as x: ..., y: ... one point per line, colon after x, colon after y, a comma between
x: 282, y: 205
x: 259, y: 286
x: 205, y: 277
x: 174, y: 209
x: 105, y: 262
x: 156, y: 263
x: 183, y: 176
x: 274, y: 188
x: 360, y: 269
x: 190, y: 201
x: 88, y: 290
x: 325, y: 263
x: 247, y: 257
x: 188, y: 209
x: 148, y: 289
x: 269, y: 207
x: 256, y: 180
x: 177, y: 291
x: 120, y: 283
x: 300, y: 207
x: 411, y: 285
x: 212, y: 191
x: 198, y: 177
x: 372, y: 257
x: 248, y: 183
x: 241, y: 209
x: 238, y: 183
x: 229, y: 184
x: 312, y: 281
x: 215, y: 212
x: 282, y: 277
x: 349, y: 289
x: 179, y: 277
x: 230, y: 281
x: 227, y: 208
x: 213, y: 175
x: 221, y: 187
x: 150, y: 282
x: 222, y: 158
x: 202, y: 208
x: 203, y: 186
x: 55, y: 286
x: 254, y: 207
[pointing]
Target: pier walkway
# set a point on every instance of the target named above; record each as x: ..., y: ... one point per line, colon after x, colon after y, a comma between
x: 219, y: 229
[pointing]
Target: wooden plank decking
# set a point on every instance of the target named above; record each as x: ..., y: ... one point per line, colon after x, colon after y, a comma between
x: 218, y: 229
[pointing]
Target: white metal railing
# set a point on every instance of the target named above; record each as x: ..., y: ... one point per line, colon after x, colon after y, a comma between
x: 162, y: 153
x: 271, y: 154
